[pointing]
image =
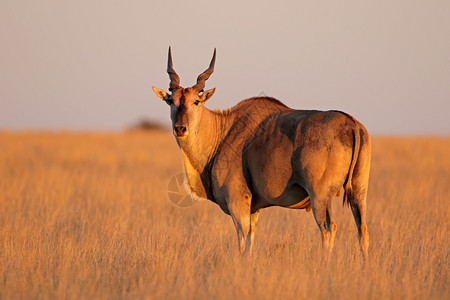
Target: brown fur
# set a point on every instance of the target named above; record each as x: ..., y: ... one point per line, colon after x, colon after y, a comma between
x: 262, y: 153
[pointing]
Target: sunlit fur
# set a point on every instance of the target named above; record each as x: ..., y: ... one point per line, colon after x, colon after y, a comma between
x: 262, y: 153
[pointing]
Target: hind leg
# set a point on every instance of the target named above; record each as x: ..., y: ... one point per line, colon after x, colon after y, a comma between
x: 357, y: 200
x: 331, y: 226
x: 319, y: 208
x: 359, y: 213
x: 358, y: 193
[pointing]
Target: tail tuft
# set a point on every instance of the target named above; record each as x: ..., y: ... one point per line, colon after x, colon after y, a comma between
x: 347, y: 194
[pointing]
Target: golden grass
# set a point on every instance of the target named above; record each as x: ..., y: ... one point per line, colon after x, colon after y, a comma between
x: 86, y: 216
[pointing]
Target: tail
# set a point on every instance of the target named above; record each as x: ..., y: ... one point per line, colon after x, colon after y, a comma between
x: 348, y: 197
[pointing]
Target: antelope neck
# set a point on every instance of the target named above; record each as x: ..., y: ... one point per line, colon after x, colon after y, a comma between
x: 202, y: 142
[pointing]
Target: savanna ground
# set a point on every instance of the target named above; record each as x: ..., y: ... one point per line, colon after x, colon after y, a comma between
x: 86, y: 216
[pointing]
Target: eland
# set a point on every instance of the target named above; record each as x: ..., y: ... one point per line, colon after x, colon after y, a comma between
x: 261, y: 153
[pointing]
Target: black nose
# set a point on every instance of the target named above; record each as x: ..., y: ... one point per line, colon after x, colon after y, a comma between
x: 180, y: 129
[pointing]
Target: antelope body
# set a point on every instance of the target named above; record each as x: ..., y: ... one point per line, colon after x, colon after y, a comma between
x: 262, y: 153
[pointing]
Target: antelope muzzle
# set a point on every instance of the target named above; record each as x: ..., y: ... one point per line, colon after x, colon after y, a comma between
x: 180, y: 131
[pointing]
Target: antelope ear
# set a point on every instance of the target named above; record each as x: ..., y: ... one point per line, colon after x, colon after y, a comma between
x: 160, y: 93
x: 207, y: 94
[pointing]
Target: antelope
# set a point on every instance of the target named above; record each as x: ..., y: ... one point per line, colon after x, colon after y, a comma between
x: 261, y: 153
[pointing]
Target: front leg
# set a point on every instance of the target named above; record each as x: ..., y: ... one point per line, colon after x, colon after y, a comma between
x: 253, y: 220
x: 244, y: 221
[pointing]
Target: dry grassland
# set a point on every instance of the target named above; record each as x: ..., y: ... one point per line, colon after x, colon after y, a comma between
x: 86, y: 216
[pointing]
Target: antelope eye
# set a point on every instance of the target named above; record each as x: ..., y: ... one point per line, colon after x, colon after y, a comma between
x: 197, y: 102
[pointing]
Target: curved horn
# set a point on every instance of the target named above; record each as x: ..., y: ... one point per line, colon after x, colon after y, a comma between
x: 174, y: 79
x: 205, y: 75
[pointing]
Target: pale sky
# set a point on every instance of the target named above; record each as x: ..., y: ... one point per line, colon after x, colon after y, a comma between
x: 90, y: 64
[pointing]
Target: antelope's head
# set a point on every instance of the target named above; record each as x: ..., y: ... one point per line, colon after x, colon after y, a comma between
x: 186, y: 104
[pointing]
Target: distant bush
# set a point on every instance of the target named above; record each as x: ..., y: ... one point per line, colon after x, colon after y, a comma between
x: 147, y: 125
